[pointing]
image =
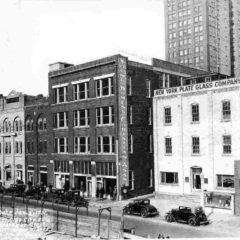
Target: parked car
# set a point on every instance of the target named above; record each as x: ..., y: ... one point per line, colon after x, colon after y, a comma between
x: 185, y: 214
x: 16, y: 189
x: 141, y: 207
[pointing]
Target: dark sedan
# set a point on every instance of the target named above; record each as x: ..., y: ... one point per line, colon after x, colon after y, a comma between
x: 140, y: 207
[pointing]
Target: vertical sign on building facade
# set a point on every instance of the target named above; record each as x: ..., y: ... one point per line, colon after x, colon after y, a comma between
x: 123, y: 124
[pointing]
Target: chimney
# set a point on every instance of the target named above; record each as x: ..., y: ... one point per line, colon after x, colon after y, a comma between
x: 58, y: 66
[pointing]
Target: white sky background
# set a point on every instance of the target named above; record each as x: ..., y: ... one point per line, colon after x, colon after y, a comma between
x: 35, y: 33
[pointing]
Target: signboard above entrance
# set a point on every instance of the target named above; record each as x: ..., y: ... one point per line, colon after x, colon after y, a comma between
x: 198, y: 87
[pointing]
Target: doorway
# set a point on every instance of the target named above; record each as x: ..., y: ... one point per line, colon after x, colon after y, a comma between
x: 196, y: 178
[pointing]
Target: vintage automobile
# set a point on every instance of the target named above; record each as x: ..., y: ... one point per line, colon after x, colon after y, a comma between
x: 185, y: 214
x: 16, y: 189
x: 141, y: 207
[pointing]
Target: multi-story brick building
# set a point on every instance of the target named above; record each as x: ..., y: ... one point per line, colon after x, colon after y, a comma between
x: 102, y: 118
x: 203, y: 34
x: 196, y: 137
x: 12, y: 147
x: 38, y: 140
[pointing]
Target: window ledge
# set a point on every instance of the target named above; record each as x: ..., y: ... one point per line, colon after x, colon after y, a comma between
x: 226, y: 120
x: 105, y: 125
x: 60, y: 128
x: 82, y: 153
x: 102, y: 153
x: 76, y: 127
x: 196, y: 154
x: 196, y: 122
x: 105, y: 96
x: 172, y: 184
x: 168, y: 154
x: 167, y: 124
x: 226, y: 154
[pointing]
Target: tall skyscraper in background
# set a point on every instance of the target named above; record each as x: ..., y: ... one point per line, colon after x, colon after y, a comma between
x: 204, y: 34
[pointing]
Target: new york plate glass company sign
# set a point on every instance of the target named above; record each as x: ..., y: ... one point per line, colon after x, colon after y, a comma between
x: 199, y: 87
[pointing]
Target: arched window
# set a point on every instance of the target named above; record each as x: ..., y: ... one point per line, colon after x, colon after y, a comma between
x: 17, y: 124
x: 44, y: 124
x: 29, y: 124
x: 6, y: 125
x: 40, y: 123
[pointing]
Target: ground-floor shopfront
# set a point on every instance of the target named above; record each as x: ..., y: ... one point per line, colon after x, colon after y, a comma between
x: 90, y: 177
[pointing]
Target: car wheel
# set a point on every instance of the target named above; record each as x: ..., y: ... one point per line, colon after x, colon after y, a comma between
x: 143, y: 212
x: 127, y: 211
x: 169, y: 218
x: 192, y: 221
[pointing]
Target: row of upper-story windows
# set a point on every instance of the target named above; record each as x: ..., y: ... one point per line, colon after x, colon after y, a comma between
x: 7, y: 148
x: 226, y: 145
x: 195, y: 113
x: 103, y: 87
x: 41, y: 124
x: 105, y: 144
x: 7, y: 126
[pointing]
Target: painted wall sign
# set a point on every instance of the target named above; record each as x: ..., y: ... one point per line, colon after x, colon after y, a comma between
x: 123, y: 124
x: 198, y: 87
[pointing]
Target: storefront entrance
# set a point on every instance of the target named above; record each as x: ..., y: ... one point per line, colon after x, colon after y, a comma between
x: 62, y: 181
x: 80, y: 183
x: 43, y: 178
x: 196, y: 178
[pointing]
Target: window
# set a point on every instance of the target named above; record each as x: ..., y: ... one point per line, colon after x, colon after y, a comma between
x: 6, y: 126
x: 225, y: 181
x: 106, y: 168
x: 129, y: 86
x: 61, y: 145
x: 130, y: 116
x: 150, y: 177
x: 83, y: 167
x: 131, y: 180
x: 7, y: 148
x: 61, y: 166
x: 17, y: 125
x: 60, y: 94
x: 130, y: 143
x: 148, y: 88
x: 29, y: 124
x: 227, y: 144
x: 168, y: 145
x: 226, y: 110
x: 104, y: 87
x: 106, y: 144
x: 105, y: 115
x: 167, y: 115
x: 81, y: 91
x: 169, y: 177
x: 195, y: 113
x: 60, y: 120
x: 81, y: 118
x: 18, y: 147
x: 150, y: 116
x: 195, y: 145
x: 42, y: 146
x: 150, y: 143
x: 42, y: 123
x: 81, y: 144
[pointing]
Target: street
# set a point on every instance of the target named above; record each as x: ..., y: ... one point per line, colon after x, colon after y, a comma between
x: 145, y: 227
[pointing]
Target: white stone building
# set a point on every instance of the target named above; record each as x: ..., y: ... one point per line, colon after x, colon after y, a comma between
x: 12, y: 139
x: 197, y: 139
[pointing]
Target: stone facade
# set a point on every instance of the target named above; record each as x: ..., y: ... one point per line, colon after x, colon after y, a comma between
x: 12, y: 144
x: 195, y: 140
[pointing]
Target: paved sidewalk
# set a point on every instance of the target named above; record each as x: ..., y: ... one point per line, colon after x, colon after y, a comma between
x: 220, y: 222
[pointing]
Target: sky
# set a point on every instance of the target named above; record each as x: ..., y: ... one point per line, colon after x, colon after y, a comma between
x: 36, y: 33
